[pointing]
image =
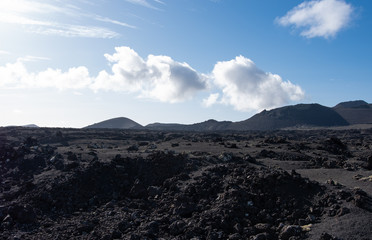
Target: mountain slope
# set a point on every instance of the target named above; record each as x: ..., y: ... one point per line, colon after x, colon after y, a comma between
x: 119, y: 123
x: 355, y: 112
x: 209, y: 125
x: 292, y: 116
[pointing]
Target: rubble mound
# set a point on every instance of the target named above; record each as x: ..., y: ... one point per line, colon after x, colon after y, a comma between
x: 162, y: 195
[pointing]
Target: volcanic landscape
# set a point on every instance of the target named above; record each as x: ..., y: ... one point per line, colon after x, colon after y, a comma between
x: 313, y: 183
x: 133, y: 184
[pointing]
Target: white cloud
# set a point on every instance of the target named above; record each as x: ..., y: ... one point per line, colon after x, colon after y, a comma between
x: 29, y: 58
x: 67, y: 30
x: 247, y: 88
x: 36, y: 17
x: 17, y: 111
x: 28, y: 6
x: 144, y: 3
x: 16, y: 75
x: 157, y: 77
x: 2, y: 52
x: 161, y: 2
x: 109, y: 20
x: 211, y: 100
x: 238, y: 82
x: 319, y: 18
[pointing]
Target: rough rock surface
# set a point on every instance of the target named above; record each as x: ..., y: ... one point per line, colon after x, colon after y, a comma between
x: 76, y: 184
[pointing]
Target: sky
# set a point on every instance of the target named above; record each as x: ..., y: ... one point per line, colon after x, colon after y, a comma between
x: 74, y: 63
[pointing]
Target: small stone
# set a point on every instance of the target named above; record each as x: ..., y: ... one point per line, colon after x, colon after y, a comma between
x: 235, y: 236
x: 260, y: 236
x: 342, y: 211
x: 290, y: 231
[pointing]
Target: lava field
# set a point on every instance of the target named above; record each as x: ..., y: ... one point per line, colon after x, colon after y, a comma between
x: 122, y: 184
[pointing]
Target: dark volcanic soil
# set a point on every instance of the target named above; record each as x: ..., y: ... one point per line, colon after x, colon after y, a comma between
x: 97, y: 184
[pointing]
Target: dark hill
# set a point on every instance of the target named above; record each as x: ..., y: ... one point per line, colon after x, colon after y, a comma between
x: 166, y: 126
x: 31, y: 126
x: 355, y: 112
x: 292, y: 116
x: 209, y: 125
x: 352, y: 104
x: 25, y: 126
x: 119, y: 123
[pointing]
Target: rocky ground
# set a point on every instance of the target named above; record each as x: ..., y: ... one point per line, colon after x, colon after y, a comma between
x: 98, y: 184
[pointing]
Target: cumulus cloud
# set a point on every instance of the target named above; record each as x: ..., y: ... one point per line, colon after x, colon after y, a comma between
x: 211, y: 100
x: 157, y: 77
x: 238, y: 82
x: 16, y: 75
x: 247, y: 88
x: 319, y: 18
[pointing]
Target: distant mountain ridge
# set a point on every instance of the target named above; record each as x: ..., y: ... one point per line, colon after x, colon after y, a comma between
x: 25, y: 126
x: 116, y: 123
x: 300, y: 115
x: 209, y: 125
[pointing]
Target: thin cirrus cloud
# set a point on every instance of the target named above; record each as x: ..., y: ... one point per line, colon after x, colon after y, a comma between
x: 145, y: 3
x: 109, y: 20
x: 318, y: 18
x: 68, y: 30
x: 238, y: 83
x: 34, y: 14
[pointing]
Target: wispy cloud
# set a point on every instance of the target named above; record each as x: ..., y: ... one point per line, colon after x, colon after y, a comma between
x: 161, y: 2
x: 2, y: 52
x: 68, y: 30
x: 36, y: 16
x: 109, y: 20
x: 319, y: 18
x: 30, y: 58
x: 145, y: 3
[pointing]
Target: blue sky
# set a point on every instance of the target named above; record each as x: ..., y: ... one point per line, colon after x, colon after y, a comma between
x: 74, y: 63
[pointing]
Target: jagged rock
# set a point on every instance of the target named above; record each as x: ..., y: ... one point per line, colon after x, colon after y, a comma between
x: 289, y: 231
x: 177, y: 227
x: 22, y: 214
x: 138, y: 190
